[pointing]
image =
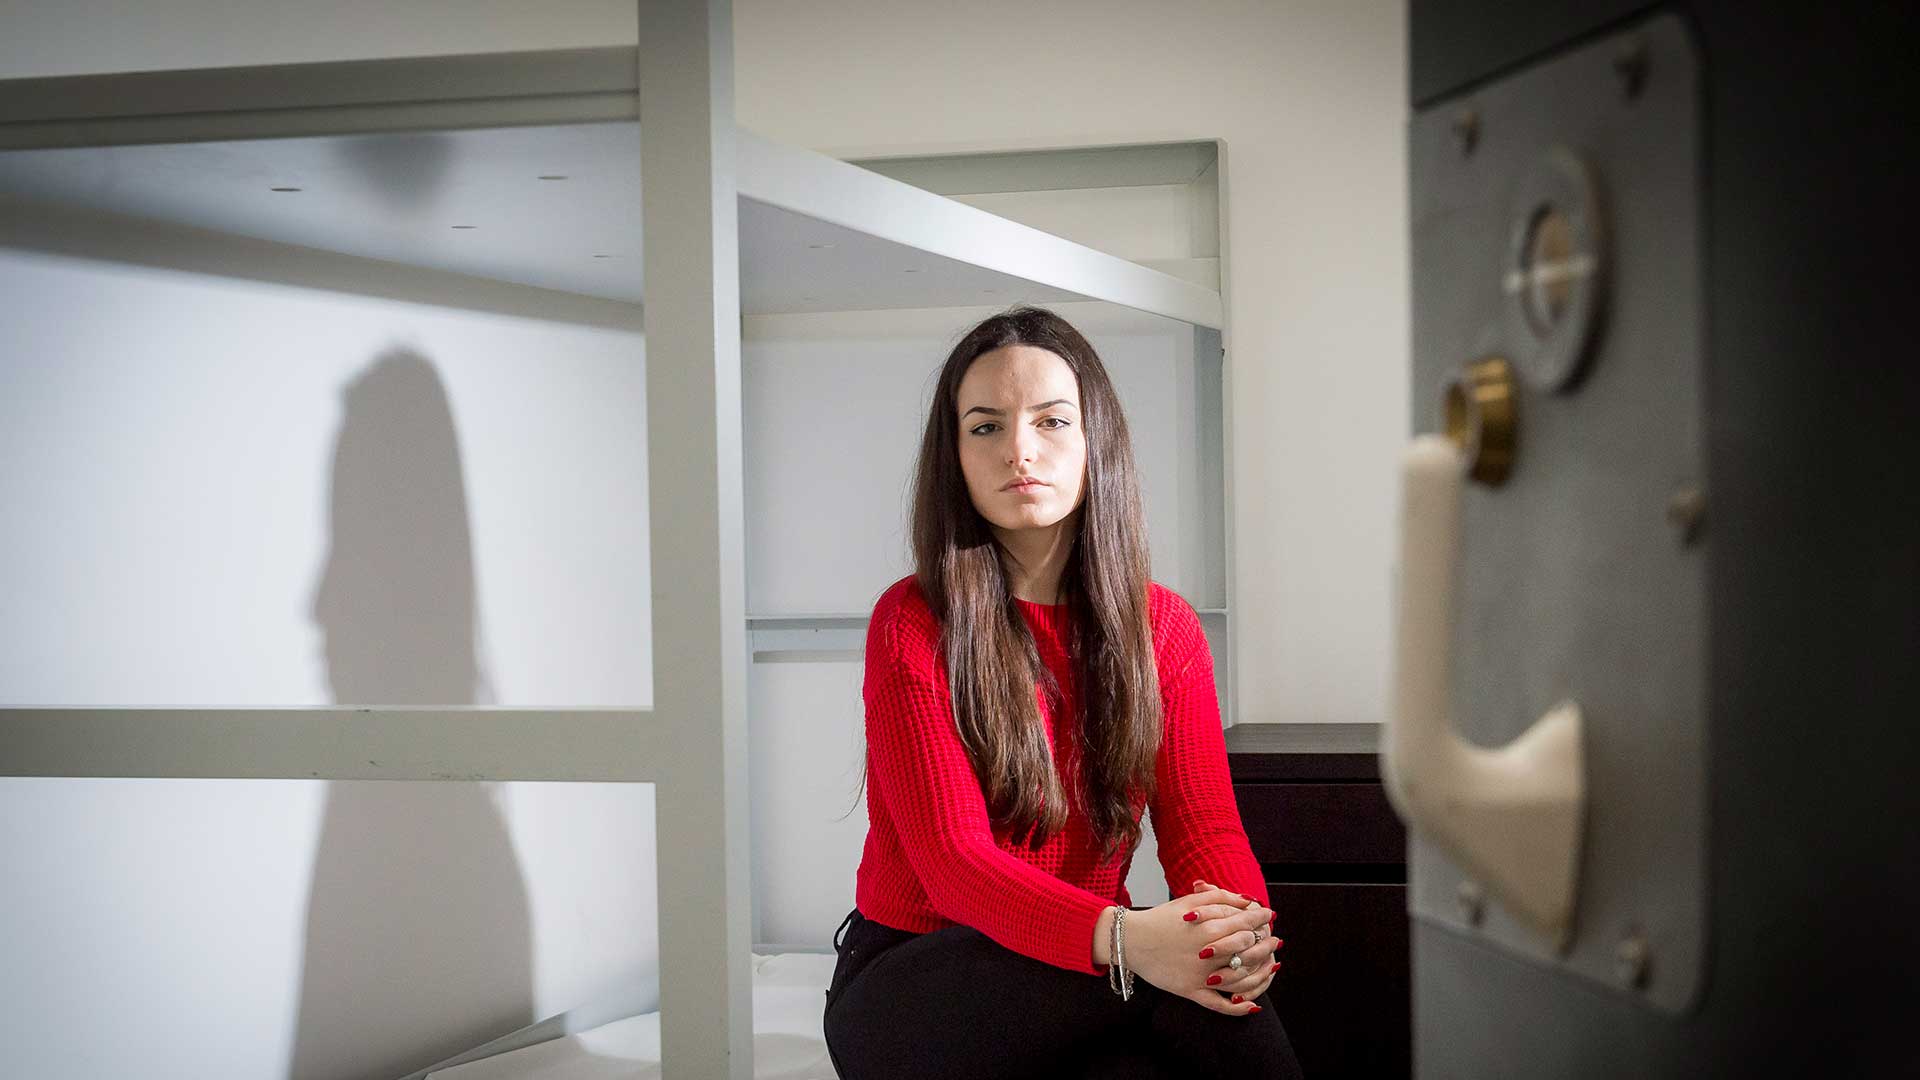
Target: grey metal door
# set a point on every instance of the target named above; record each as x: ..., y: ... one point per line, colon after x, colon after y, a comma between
x: 1658, y: 618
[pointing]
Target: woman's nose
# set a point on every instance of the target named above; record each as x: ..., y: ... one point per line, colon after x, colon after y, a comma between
x: 1021, y: 446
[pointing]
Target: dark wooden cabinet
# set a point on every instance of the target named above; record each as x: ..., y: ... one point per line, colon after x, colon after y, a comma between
x: 1334, y: 855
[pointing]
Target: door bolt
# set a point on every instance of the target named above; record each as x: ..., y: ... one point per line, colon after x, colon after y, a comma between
x: 1472, y: 902
x: 1686, y: 510
x: 1630, y: 960
x: 1630, y: 66
x: 1466, y: 129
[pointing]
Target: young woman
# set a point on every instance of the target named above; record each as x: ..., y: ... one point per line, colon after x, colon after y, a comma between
x: 1029, y: 694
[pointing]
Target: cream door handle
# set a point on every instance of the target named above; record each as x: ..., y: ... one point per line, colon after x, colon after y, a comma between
x: 1510, y: 817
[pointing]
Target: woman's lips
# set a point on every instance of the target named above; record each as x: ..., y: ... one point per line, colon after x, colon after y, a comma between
x: 1032, y: 485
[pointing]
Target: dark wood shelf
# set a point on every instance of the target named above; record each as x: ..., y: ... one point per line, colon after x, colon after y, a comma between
x: 1334, y: 854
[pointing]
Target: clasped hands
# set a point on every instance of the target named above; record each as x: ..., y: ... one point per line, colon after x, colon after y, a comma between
x: 1186, y: 946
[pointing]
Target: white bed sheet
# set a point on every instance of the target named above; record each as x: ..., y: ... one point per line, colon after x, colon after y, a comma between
x: 789, y: 1043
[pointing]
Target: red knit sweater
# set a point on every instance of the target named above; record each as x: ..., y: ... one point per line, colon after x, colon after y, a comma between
x: 931, y: 857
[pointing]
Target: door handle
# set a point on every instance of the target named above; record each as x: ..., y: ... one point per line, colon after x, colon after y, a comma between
x: 1510, y: 817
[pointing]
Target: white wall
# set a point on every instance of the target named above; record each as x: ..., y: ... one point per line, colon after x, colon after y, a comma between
x: 111, y: 918
x: 834, y: 405
x: 177, y: 438
x: 205, y: 481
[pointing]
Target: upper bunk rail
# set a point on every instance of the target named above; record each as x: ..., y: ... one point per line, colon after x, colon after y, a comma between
x: 343, y: 97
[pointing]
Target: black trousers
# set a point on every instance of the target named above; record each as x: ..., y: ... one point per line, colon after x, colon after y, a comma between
x: 956, y: 1003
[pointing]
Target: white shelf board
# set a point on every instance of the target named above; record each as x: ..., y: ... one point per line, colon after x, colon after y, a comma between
x: 1066, y: 169
x: 801, y: 618
x: 343, y: 742
x: 822, y: 636
x: 391, y: 156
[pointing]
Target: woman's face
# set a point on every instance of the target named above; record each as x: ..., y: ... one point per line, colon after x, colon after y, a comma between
x: 1020, y: 417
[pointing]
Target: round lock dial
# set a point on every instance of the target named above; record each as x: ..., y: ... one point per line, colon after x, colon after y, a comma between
x: 1555, y: 275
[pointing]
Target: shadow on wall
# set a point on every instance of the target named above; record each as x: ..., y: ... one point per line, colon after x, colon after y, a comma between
x: 418, y: 928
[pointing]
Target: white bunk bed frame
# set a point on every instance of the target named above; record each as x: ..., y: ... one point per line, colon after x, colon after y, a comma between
x: 699, y: 176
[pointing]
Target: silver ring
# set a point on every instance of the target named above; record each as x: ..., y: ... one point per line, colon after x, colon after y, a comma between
x: 1235, y: 962
x: 1258, y: 933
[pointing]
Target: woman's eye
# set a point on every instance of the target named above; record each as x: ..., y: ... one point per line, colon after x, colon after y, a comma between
x: 1063, y: 422
x: 980, y: 429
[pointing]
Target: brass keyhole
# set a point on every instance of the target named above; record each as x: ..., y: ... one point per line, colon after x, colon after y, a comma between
x: 1481, y: 419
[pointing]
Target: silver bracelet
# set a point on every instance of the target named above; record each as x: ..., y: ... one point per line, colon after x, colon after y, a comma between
x: 1119, y: 979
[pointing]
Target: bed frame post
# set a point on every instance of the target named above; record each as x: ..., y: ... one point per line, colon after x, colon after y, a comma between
x: 690, y: 221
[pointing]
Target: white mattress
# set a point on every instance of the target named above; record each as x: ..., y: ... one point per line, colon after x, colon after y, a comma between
x: 789, y: 997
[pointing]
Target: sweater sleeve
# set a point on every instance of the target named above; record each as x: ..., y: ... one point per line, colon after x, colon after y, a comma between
x: 1196, y: 821
x: 922, y: 773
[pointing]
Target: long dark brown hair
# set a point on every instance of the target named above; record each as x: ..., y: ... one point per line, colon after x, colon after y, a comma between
x: 993, y: 664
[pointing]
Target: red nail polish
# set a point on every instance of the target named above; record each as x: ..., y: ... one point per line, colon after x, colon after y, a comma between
x: 1277, y: 942
x: 1206, y: 953
x: 1254, y: 1009
x: 1213, y: 980
x: 1236, y: 999
x: 1190, y: 916
x: 1276, y: 965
